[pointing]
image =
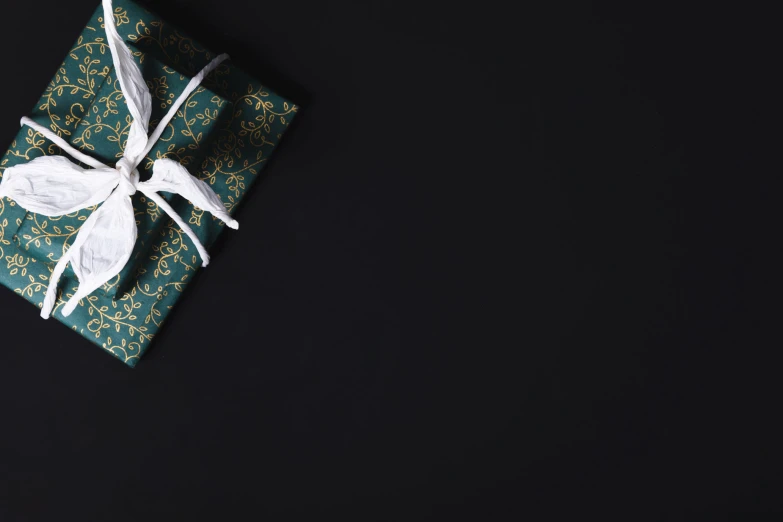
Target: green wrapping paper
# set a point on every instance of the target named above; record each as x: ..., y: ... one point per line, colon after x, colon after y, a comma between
x: 223, y: 134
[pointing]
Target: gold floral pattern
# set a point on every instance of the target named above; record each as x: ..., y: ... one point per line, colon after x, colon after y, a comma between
x: 224, y: 134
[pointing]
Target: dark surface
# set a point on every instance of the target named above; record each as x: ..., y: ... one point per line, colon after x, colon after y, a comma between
x: 504, y: 264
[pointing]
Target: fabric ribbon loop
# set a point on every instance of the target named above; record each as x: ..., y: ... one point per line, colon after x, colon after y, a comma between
x: 54, y: 185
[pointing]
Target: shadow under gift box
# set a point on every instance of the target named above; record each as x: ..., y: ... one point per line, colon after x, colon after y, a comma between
x: 223, y: 134
x: 47, y: 238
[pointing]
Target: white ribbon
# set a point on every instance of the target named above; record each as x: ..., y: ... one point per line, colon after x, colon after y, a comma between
x: 54, y: 186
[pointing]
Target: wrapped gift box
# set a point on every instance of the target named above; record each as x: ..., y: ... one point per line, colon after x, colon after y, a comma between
x: 224, y: 135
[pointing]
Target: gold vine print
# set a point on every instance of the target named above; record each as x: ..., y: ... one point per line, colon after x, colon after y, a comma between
x: 223, y: 133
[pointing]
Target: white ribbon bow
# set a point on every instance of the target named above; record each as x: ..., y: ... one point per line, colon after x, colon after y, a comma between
x: 54, y: 186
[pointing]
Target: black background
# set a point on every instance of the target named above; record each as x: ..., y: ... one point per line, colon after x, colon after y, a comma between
x: 506, y: 263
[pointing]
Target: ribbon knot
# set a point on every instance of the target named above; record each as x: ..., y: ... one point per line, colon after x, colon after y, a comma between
x: 129, y: 176
x: 55, y: 186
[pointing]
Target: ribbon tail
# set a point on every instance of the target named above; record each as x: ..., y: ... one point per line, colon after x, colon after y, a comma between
x: 51, y: 292
x: 163, y: 204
